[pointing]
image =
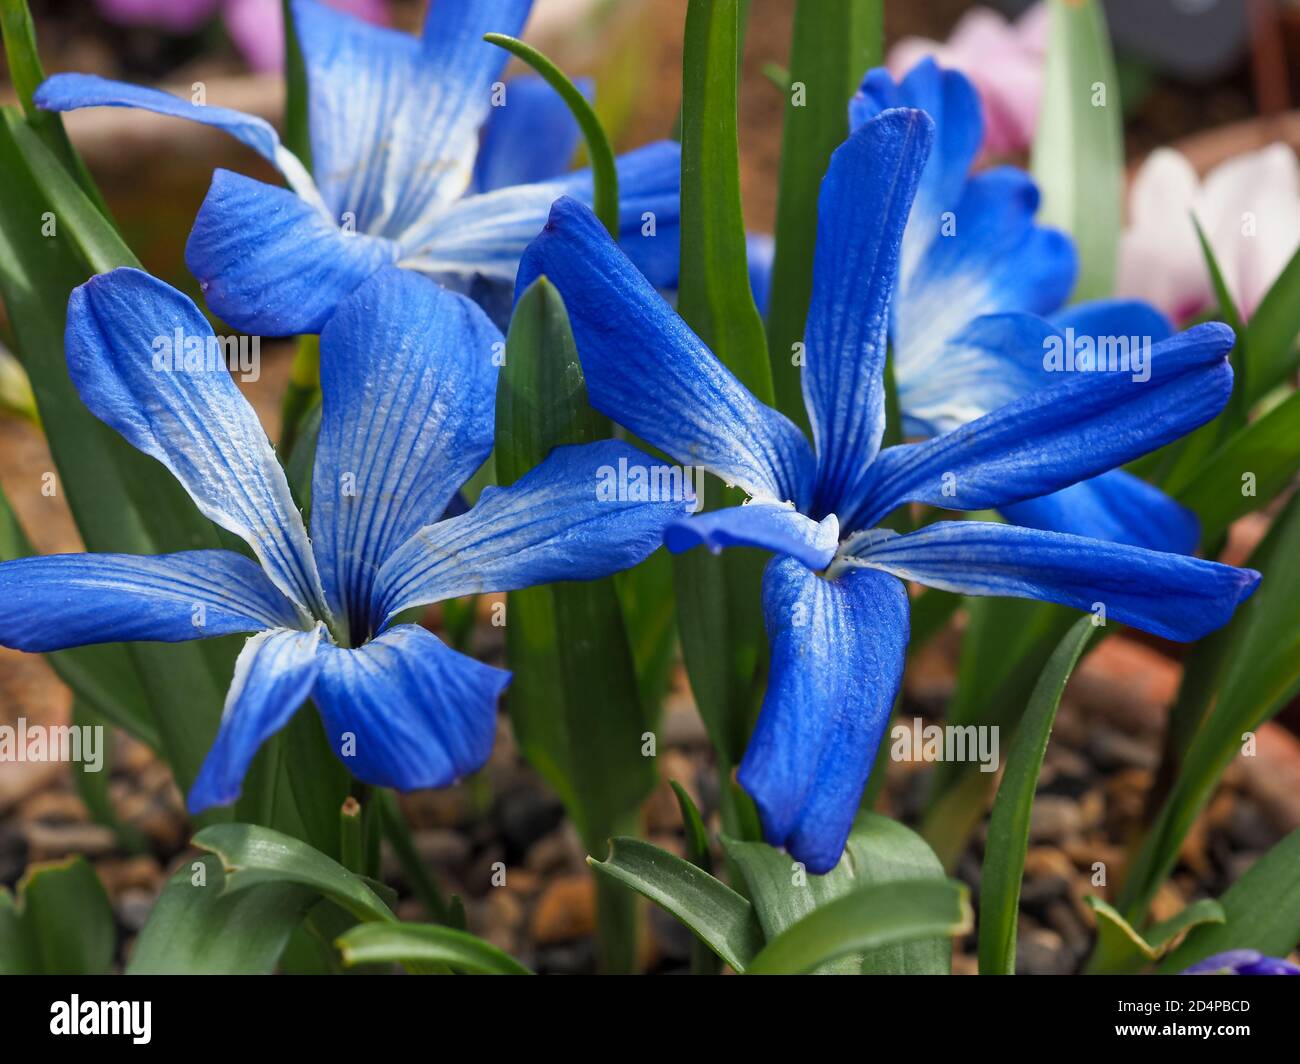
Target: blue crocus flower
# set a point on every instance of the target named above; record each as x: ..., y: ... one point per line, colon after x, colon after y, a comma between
x: 408, y: 381
x: 1242, y: 962
x: 834, y: 596
x: 400, y: 178
x: 977, y: 276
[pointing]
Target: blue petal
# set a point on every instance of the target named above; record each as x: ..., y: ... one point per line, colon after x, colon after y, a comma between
x: 406, y: 711
x: 532, y: 136
x: 647, y: 370
x: 274, y: 675
x: 994, y: 360
x: 486, y: 235
x: 1168, y: 595
x: 270, y: 264
x: 865, y: 199
x: 837, y: 662
x: 1115, y: 317
x: 1117, y: 507
x: 70, y: 600
x: 772, y: 526
x: 952, y: 102
x: 996, y: 261
x: 577, y: 516
x: 70, y: 92
x: 121, y: 328
x: 1057, y: 436
x: 408, y: 386
x: 395, y: 119
x: 760, y: 251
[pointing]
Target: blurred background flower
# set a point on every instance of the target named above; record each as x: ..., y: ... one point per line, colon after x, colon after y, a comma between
x: 255, y: 26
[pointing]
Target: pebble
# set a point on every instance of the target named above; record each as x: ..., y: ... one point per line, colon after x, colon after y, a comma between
x: 52, y: 806
x: 1111, y: 750
x: 523, y: 817
x: 48, y: 842
x: 1054, y: 819
x: 130, y: 873
x: 441, y: 847
x: 565, y: 911
x: 1041, y: 951
x: 133, y: 908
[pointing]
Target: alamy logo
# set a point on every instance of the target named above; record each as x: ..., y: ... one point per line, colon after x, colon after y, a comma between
x: 183, y: 352
x: 1068, y: 353
x: 102, y: 1017
x: 657, y: 483
x: 83, y: 743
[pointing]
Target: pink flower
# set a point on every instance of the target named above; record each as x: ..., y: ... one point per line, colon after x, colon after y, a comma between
x: 1249, y: 209
x: 1003, y: 59
x: 255, y: 26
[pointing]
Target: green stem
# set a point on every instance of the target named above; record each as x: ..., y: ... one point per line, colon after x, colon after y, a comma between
x: 304, y: 386
x: 604, y: 175
x: 351, y: 847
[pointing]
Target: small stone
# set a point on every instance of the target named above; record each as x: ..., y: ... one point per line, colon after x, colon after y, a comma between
x: 133, y: 908
x: 502, y: 918
x: 21, y: 779
x: 1062, y: 918
x: 53, y: 806
x: 130, y: 873
x: 441, y: 847
x: 1168, y: 901
x: 1110, y: 750
x: 565, y: 911
x: 1054, y: 819
x: 1041, y: 951
x: 48, y: 842
x: 682, y: 727
x: 571, y: 958
x: 523, y: 816
x: 1249, y: 828
x: 557, y: 851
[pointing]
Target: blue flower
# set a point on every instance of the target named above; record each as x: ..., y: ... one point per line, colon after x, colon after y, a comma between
x: 977, y: 276
x: 408, y: 381
x: 399, y: 175
x: 1242, y: 962
x: 834, y: 599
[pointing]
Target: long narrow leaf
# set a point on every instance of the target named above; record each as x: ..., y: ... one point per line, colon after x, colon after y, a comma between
x: 1008, y: 841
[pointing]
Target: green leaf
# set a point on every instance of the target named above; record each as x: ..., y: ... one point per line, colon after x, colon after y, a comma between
x: 60, y: 923
x: 297, y: 132
x: 1271, y: 333
x: 719, y: 917
x: 1262, y: 674
x: 1261, y: 909
x: 121, y: 499
x: 835, y: 43
x: 398, y: 834
x: 574, y: 700
x: 1078, y: 156
x: 1132, y: 950
x: 1008, y: 839
x: 604, y: 174
x: 26, y: 74
x: 703, y: 960
x: 714, y: 296
x: 1004, y: 650
x: 425, y: 943
x: 252, y: 856
x: 199, y: 927
x: 878, y: 851
x: 1268, y: 449
x: 76, y: 214
x: 883, y: 914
